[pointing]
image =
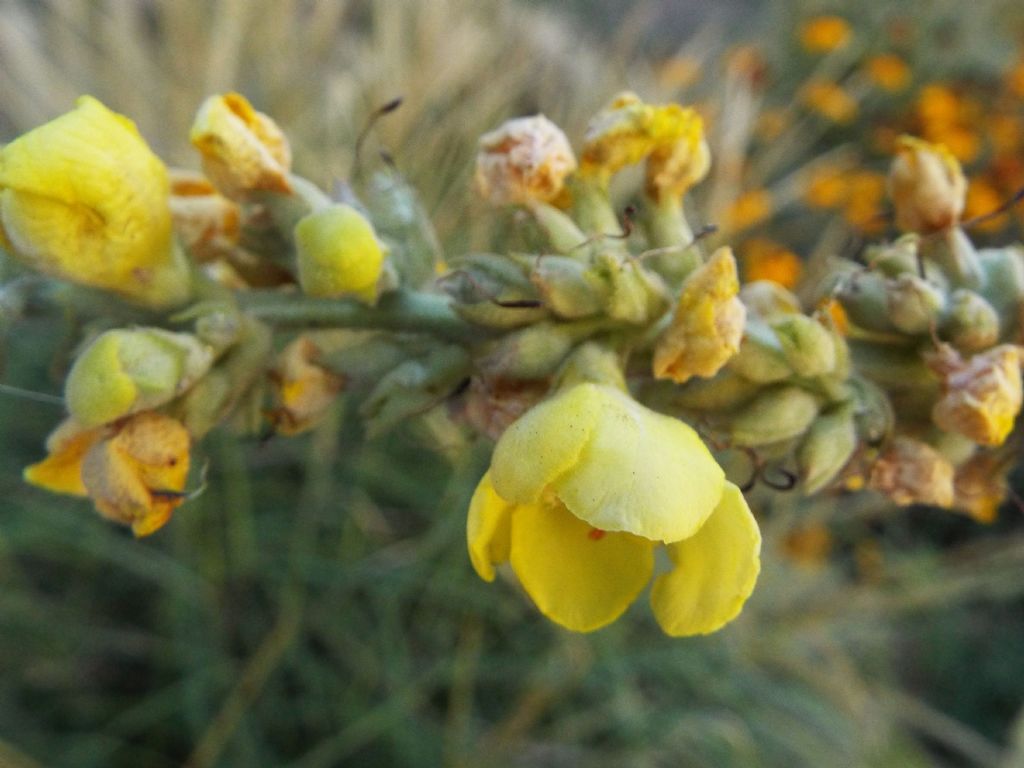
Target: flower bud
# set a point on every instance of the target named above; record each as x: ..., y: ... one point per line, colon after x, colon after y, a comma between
x: 778, y: 414
x: 303, y: 390
x: 127, y: 371
x: 1003, y: 282
x: 912, y: 472
x: 207, y: 223
x: 707, y: 325
x: 864, y: 298
x: 637, y: 296
x: 533, y: 352
x: 569, y: 287
x: 492, y: 290
x: 242, y: 150
x: 980, y: 397
x: 914, y: 304
x: 898, y: 257
x: 84, y: 199
x: 828, y: 446
x: 767, y: 299
x: 927, y: 186
x: 524, y: 160
x: 725, y: 392
x: 760, y: 357
x: 807, y: 345
x: 338, y: 254
x: 971, y: 323
x: 136, y: 474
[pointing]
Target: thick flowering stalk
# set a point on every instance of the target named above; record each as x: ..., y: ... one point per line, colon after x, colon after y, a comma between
x: 84, y: 199
x: 581, y: 491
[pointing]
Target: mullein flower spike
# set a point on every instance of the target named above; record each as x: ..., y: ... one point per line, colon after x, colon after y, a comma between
x: 581, y: 537
x: 84, y: 199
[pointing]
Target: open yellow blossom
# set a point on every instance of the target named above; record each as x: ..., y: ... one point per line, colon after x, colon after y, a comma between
x: 523, y: 160
x: 84, y: 199
x: 338, y: 254
x: 982, y: 396
x: 304, y: 390
x: 242, y: 150
x: 708, y: 323
x: 127, y: 371
x: 627, y: 130
x: 824, y: 34
x: 584, y: 578
x: 927, y: 186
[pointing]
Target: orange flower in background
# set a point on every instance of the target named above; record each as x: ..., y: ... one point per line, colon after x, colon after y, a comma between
x: 983, y: 198
x: 827, y: 187
x: 829, y: 100
x: 888, y: 71
x: 865, y: 203
x: 764, y: 259
x: 749, y: 209
x: 824, y: 34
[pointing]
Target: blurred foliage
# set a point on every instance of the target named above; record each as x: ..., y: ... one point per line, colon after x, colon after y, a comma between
x: 315, y: 606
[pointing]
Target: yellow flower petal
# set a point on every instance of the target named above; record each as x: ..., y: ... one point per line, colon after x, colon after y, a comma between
x: 714, y: 574
x: 487, y: 529
x: 579, y: 577
x: 61, y: 470
x: 615, y: 464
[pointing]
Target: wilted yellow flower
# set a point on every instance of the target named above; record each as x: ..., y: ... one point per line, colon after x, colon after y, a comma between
x: 628, y: 130
x: 824, y: 34
x: 912, y: 472
x: 207, y: 223
x: 980, y: 485
x: 136, y: 475
x: 524, y: 160
x: 927, y: 186
x: 61, y: 470
x: 829, y: 100
x: 673, y: 168
x: 888, y: 71
x: 981, y: 397
x: 584, y: 578
x: 127, y: 371
x: 242, y: 150
x: 708, y: 323
x: 134, y: 470
x: 765, y: 259
x: 83, y: 198
x: 338, y: 254
x: 304, y: 389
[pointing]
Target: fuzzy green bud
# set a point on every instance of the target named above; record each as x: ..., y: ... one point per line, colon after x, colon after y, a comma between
x: 971, y: 324
x: 493, y: 291
x: 1003, y: 284
x: 806, y: 344
x: 569, y: 287
x: 760, y: 357
x: 637, y: 295
x: 338, y: 254
x: 914, y: 304
x: 865, y: 299
x: 767, y: 300
x: 828, y: 446
x: 127, y: 371
x: 533, y: 352
x: 778, y: 414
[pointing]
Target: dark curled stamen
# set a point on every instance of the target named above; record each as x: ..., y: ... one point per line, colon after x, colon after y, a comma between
x: 371, y: 121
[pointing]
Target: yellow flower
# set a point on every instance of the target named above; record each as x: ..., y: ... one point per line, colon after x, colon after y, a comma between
x: 83, y: 198
x: 889, y: 72
x: 581, y: 491
x: 127, y: 371
x: 523, y: 160
x: 628, y: 130
x: 338, y: 254
x: 982, y: 396
x: 824, y: 34
x: 304, y: 390
x: 134, y: 471
x: 708, y: 323
x: 242, y: 150
x: 674, y: 167
x: 927, y: 186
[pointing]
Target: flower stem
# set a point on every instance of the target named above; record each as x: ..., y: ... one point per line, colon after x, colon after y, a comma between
x: 398, y: 311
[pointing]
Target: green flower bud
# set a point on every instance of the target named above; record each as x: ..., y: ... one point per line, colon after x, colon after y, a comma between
x: 637, y: 296
x: 400, y: 219
x: 1003, y: 285
x: 953, y: 251
x: 760, y: 358
x: 896, y: 258
x: 780, y: 413
x: 971, y: 323
x: 338, y: 254
x: 493, y: 291
x: 726, y: 391
x: 828, y: 446
x: 806, y: 344
x: 873, y: 411
x: 534, y: 352
x: 865, y: 299
x: 914, y: 304
x: 569, y: 287
x: 127, y: 371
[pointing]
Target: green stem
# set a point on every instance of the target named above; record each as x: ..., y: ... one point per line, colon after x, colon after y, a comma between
x: 398, y: 311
